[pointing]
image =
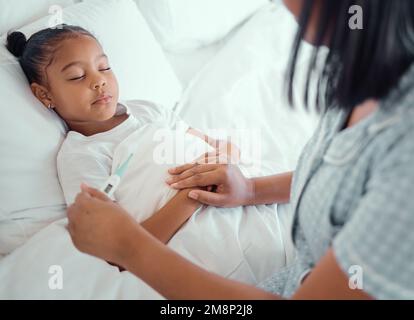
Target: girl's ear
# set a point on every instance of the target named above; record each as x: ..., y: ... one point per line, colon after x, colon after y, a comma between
x: 42, y: 94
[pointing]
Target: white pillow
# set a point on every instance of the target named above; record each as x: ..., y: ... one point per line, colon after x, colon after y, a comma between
x: 182, y: 25
x: 31, y: 135
x: 30, y: 138
x: 16, y: 13
x: 135, y: 56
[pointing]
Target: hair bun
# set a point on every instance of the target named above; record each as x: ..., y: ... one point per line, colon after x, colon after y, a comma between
x: 16, y: 43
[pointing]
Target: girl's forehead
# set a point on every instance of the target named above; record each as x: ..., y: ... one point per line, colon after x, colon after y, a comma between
x: 81, y: 48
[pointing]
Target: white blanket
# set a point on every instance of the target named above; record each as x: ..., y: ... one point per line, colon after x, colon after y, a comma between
x: 244, y: 243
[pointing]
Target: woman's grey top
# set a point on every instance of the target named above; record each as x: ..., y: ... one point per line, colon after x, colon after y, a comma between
x: 353, y: 191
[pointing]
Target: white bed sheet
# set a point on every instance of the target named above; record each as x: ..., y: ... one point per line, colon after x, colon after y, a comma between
x: 188, y: 65
x: 243, y: 88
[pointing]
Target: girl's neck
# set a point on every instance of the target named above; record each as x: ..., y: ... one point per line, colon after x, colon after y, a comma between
x: 90, y: 128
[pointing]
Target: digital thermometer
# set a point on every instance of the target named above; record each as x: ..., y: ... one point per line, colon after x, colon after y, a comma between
x: 113, y: 181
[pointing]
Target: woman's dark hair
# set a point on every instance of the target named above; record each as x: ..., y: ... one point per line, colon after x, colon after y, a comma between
x: 361, y: 63
x: 37, y: 53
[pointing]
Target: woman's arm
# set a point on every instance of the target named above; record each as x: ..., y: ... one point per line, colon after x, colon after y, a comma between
x: 233, y: 189
x: 177, y: 278
x: 166, y: 271
x: 167, y: 221
x: 102, y: 228
x: 271, y: 189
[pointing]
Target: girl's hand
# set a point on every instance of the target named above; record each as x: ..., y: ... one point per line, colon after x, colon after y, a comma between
x: 100, y: 227
x: 225, y: 153
x: 232, y: 188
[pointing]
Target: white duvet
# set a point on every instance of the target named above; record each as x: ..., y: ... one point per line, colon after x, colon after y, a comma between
x: 244, y: 243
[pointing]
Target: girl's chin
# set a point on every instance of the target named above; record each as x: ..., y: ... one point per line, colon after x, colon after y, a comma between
x: 103, y: 111
x: 104, y: 107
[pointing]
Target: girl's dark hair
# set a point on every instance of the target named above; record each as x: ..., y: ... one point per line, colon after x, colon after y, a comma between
x: 37, y: 53
x: 361, y: 63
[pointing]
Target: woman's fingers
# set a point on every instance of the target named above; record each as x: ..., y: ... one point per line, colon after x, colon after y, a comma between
x: 70, y: 214
x: 95, y: 193
x: 200, y: 160
x: 209, y: 198
x: 82, y: 198
x: 199, y: 180
x: 191, y: 172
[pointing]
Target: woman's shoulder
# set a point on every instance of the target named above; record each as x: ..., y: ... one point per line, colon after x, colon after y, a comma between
x: 392, y: 144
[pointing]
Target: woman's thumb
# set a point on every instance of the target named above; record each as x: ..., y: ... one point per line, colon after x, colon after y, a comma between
x: 95, y: 193
x: 210, y: 198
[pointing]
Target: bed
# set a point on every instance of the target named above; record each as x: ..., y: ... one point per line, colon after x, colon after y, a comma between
x: 219, y: 80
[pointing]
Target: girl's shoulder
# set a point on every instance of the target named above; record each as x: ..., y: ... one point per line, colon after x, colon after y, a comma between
x: 146, y: 110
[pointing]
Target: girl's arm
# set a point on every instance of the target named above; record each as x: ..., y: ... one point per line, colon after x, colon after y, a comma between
x: 212, y: 142
x: 167, y: 221
x: 75, y: 169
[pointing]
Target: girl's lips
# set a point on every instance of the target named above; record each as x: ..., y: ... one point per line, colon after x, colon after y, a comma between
x: 103, y: 100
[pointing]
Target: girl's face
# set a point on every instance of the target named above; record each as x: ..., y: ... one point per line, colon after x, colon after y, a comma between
x: 81, y: 87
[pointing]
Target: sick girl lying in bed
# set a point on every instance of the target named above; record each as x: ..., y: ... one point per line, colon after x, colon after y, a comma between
x: 70, y: 74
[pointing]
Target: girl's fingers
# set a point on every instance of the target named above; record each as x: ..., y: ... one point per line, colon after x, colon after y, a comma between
x: 206, y: 156
x: 201, y: 158
x: 214, y: 160
x: 181, y: 169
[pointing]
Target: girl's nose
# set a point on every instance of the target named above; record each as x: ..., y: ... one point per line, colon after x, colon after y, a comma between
x: 98, y: 84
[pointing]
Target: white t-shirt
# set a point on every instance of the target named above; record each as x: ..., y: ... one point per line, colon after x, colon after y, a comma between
x: 89, y: 159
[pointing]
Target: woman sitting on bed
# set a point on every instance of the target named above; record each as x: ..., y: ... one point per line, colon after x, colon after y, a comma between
x: 69, y: 72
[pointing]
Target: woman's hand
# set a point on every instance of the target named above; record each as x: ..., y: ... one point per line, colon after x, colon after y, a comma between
x: 233, y: 189
x: 100, y: 227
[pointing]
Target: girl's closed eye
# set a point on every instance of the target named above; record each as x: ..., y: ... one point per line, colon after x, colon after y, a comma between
x: 77, y: 78
x: 83, y: 76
